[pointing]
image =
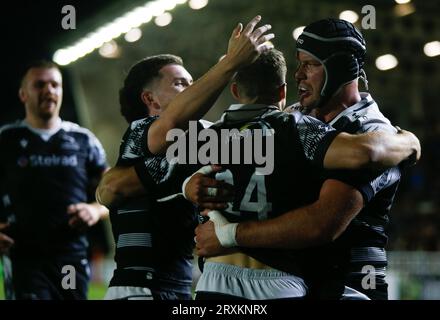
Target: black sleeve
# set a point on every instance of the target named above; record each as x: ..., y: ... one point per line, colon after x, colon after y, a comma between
x: 134, y: 142
x: 166, y: 187
x: 161, y: 177
x: 315, y: 137
x: 367, y: 182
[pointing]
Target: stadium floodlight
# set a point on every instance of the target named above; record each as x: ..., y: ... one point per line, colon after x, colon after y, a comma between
x: 133, y: 35
x: 349, y: 15
x: 121, y: 25
x: 432, y: 49
x: 198, y: 4
x: 386, y: 62
x: 109, y: 49
x: 164, y: 19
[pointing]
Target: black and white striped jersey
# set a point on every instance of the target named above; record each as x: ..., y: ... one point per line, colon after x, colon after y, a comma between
x: 378, y: 190
x: 42, y: 172
x: 362, y: 244
x: 366, y: 235
x: 154, y: 241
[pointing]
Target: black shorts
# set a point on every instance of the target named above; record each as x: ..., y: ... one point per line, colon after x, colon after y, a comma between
x: 60, y: 278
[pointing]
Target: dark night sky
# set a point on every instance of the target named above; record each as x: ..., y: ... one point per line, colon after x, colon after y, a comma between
x: 32, y: 30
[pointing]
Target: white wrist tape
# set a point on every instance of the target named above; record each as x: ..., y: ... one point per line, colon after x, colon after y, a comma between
x: 203, y: 170
x: 224, y: 230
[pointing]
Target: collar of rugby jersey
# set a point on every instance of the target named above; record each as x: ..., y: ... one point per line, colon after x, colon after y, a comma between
x: 366, y: 101
x: 240, y: 112
x: 45, y: 134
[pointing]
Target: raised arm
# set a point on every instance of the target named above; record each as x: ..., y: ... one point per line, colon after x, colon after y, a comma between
x: 376, y: 150
x: 245, y: 45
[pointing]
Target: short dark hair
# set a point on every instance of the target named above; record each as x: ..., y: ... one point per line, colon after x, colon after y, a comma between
x: 141, y: 74
x: 263, y: 77
x: 42, y: 64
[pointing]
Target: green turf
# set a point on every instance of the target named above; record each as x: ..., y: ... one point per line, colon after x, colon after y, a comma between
x: 97, y: 291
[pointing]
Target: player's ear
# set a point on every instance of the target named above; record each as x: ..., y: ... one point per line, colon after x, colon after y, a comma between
x: 22, y: 95
x: 148, y: 99
x: 282, y: 91
x: 234, y: 91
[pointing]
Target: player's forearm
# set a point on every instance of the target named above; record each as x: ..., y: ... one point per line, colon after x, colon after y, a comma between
x: 107, y: 197
x: 375, y: 150
x: 291, y: 230
x: 190, y: 104
x: 117, y: 184
x: 318, y: 223
x: 349, y: 152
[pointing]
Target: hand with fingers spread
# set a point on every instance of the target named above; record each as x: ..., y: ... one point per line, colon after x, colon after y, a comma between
x: 207, y: 192
x: 83, y: 215
x: 5, y: 241
x: 245, y: 45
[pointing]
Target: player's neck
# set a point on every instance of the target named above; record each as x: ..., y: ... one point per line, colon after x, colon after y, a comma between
x: 46, y: 124
x: 345, y: 98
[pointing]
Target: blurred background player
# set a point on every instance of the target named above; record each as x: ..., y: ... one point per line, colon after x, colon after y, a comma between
x: 49, y: 170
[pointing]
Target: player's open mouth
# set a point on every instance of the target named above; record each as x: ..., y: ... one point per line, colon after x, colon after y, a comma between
x: 49, y: 101
x: 303, y: 92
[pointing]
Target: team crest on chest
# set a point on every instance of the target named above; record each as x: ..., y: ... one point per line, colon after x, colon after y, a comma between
x: 23, y: 143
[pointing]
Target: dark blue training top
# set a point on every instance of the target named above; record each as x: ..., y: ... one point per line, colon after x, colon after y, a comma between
x: 42, y: 172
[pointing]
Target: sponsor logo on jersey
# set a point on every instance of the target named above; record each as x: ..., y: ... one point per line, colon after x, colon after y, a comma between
x: 48, y: 161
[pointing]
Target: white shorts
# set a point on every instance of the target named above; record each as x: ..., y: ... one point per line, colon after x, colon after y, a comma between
x: 352, y: 294
x: 253, y: 284
x: 128, y: 293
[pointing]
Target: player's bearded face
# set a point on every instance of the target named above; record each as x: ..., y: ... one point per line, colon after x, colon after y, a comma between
x: 42, y: 92
x: 174, y: 79
x: 310, y: 79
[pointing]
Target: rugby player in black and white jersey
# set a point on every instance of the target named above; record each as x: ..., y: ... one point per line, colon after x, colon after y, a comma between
x: 342, y: 143
x: 352, y: 211
x: 48, y: 171
x: 316, y: 137
x: 154, y: 240
x: 299, y: 141
x: 150, y: 265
